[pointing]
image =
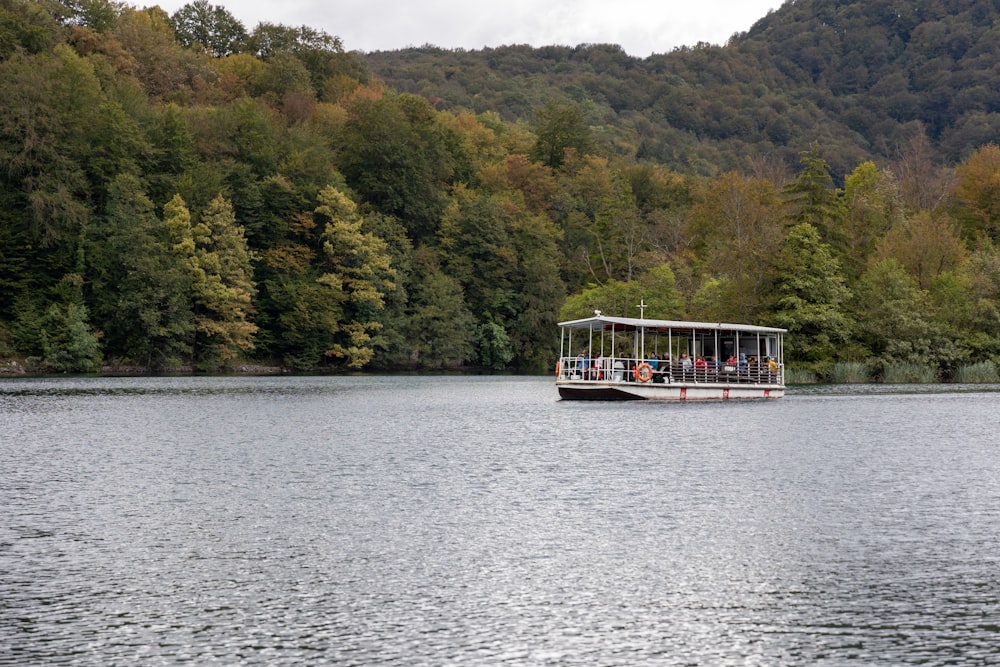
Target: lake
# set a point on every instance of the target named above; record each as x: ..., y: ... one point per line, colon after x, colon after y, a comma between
x: 403, y: 520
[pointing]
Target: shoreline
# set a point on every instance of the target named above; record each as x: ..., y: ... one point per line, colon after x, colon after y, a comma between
x: 12, y: 368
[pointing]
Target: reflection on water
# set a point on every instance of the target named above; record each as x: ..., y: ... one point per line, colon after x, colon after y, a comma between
x: 438, y: 520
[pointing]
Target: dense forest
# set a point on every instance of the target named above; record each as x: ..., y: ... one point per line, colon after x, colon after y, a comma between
x: 182, y: 192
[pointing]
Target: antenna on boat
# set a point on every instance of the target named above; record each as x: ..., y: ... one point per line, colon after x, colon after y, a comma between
x: 642, y: 309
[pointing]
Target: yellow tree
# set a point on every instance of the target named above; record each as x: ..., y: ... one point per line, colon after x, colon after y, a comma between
x: 926, y: 245
x: 358, y: 273
x: 978, y: 193
x: 222, y: 288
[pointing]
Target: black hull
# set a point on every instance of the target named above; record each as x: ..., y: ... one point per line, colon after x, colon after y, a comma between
x: 603, y: 394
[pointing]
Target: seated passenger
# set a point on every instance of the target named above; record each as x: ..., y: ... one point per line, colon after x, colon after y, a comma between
x: 686, y: 365
x: 700, y: 367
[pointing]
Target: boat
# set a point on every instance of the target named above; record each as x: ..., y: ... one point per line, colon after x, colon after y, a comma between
x: 620, y: 358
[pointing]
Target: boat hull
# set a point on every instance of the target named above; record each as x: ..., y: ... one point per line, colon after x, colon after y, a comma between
x: 586, y: 390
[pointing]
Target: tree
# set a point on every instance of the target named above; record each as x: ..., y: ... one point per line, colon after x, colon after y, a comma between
x: 141, y: 292
x: 742, y: 228
x: 476, y: 246
x: 393, y: 155
x: 872, y: 206
x: 926, y: 245
x: 357, y: 271
x: 812, y: 198
x: 27, y: 26
x: 655, y: 290
x: 810, y: 298
x: 891, y: 322
x: 560, y: 126
x: 49, y: 108
x: 222, y: 284
x: 69, y: 343
x: 211, y: 27
x: 99, y: 15
x: 494, y: 345
x: 538, y: 289
x: 978, y: 193
x: 440, y: 327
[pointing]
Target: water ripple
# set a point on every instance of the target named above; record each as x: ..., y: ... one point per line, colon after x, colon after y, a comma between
x: 478, y: 521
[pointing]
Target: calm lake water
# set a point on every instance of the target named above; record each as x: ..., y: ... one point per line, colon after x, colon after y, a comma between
x: 481, y: 521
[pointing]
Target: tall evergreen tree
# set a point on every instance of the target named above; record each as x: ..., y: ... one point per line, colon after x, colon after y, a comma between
x: 358, y: 272
x: 811, y: 298
x: 141, y: 292
x: 814, y: 199
x: 222, y: 287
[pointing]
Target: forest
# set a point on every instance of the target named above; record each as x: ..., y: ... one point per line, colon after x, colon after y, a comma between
x: 182, y: 193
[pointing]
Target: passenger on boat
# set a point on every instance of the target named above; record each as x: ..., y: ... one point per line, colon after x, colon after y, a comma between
x: 599, y: 367
x: 687, y: 368
x: 654, y: 362
x: 663, y: 375
x: 700, y: 368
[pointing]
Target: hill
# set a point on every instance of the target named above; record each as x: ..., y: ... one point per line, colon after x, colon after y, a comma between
x: 861, y: 79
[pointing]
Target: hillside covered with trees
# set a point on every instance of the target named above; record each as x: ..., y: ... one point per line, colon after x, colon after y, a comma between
x: 863, y: 79
x: 182, y: 191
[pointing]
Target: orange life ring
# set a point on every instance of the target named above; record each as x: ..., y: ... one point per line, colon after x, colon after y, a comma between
x: 643, y: 372
x: 558, y: 368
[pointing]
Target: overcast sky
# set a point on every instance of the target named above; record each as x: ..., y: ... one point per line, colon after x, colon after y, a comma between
x: 641, y: 27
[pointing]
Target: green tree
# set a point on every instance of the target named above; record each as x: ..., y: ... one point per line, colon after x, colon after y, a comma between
x: 440, y: 328
x: 811, y: 298
x: 891, y: 322
x: 494, y: 345
x: 69, y: 343
x: 98, y: 15
x: 141, y: 292
x: 476, y: 246
x: 655, y: 289
x: 926, y: 245
x: 393, y: 153
x: 211, y: 27
x: 538, y: 288
x: 560, y: 126
x: 27, y: 26
x: 48, y: 111
x: 873, y: 206
x: 812, y: 198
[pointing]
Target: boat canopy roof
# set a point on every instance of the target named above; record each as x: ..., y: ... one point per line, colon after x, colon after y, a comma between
x: 605, y: 323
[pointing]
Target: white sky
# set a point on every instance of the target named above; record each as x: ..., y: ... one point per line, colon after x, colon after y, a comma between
x: 641, y: 27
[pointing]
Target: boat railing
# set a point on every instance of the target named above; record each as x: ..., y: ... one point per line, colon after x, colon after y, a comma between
x: 623, y: 369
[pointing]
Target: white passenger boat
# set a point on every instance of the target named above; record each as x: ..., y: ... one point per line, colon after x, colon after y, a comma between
x: 620, y: 358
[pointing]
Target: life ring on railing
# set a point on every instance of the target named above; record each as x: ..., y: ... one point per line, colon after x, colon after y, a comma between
x: 558, y: 368
x: 643, y: 372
